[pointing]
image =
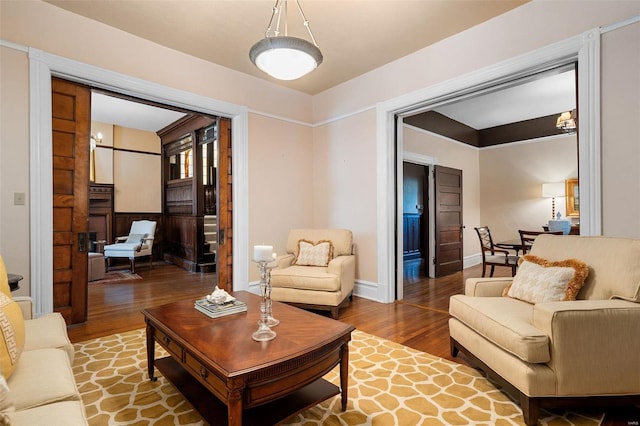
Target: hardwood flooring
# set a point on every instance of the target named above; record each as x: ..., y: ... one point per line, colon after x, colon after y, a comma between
x: 419, y: 321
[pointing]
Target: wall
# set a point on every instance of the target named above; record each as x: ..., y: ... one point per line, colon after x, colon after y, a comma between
x: 137, y: 176
x: 103, y: 152
x: 621, y: 132
x: 343, y: 141
x: 14, y: 164
x: 512, y: 34
x: 511, y: 178
x: 43, y: 26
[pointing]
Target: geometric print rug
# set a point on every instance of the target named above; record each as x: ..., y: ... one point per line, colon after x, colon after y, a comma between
x: 115, y: 276
x: 389, y: 384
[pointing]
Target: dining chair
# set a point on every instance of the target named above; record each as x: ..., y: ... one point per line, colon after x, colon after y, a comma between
x: 528, y: 237
x: 493, y: 255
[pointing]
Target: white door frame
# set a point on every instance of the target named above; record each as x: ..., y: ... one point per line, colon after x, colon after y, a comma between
x: 583, y: 49
x: 42, y: 66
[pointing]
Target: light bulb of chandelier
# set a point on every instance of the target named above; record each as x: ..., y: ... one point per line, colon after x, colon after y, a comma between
x: 285, y: 58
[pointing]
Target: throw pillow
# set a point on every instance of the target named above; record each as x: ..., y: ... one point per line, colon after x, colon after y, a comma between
x: 12, y: 339
x: 6, y: 403
x: 136, y: 238
x: 539, y: 280
x: 4, y: 279
x: 310, y: 254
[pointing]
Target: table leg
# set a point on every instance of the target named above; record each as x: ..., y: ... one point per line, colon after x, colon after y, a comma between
x: 234, y: 408
x: 344, y: 374
x: 151, y: 352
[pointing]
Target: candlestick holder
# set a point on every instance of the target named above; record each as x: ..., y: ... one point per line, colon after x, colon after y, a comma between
x: 266, y: 321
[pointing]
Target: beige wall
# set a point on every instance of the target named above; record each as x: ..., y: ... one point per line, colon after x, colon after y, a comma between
x: 459, y: 156
x: 137, y: 176
x: 621, y: 132
x: 342, y: 148
x: 344, y: 185
x: 281, y: 172
x: 104, y: 152
x: 511, y: 179
x: 14, y: 163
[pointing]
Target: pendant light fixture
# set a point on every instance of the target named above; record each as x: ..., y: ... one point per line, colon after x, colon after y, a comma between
x: 281, y: 56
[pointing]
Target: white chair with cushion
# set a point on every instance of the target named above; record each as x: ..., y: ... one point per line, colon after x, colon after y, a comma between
x: 137, y: 244
x: 318, y: 271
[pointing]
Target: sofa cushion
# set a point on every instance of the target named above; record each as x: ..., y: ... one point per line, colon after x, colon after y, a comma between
x: 66, y: 413
x: 539, y: 280
x: 48, y: 331
x: 313, y: 254
x: 49, y: 372
x: 12, y: 338
x: 614, y: 270
x: 306, y: 278
x: 504, y: 321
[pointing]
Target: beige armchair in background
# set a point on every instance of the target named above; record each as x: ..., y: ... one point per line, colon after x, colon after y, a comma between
x: 137, y: 244
x: 314, y: 278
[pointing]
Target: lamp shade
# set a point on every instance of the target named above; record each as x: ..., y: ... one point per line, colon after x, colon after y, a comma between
x: 555, y: 189
x: 285, y: 58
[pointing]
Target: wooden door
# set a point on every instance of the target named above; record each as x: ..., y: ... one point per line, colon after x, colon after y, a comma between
x: 71, y: 115
x: 448, y: 220
x: 225, y: 207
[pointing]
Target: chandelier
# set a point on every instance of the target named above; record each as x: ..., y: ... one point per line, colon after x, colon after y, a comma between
x: 281, y: 56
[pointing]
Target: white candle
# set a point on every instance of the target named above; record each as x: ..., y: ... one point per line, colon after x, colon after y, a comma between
x: 262, y: 253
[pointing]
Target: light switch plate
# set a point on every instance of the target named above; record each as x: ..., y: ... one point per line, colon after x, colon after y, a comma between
x: 18, y: 198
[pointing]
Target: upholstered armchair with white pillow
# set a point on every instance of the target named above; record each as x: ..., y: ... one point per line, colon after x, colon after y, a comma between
x: 564, y: 330
x: 318, y: 271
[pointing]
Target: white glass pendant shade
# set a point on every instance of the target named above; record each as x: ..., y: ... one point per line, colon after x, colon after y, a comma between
x: 285, y: 58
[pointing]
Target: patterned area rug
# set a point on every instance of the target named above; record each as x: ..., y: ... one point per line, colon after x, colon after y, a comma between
x: 389, y: 384
x: 115, y: 276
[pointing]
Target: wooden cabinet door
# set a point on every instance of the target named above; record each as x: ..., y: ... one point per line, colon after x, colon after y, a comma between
x: 225, y: 207
x: 71, y: 112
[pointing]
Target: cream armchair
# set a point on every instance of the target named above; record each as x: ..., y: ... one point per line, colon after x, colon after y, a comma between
x: 327, y: 287
x: 559, y: 353
x: 137, y: 244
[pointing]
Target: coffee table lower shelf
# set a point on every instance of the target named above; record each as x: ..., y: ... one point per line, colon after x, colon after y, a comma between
x: 214, y: 411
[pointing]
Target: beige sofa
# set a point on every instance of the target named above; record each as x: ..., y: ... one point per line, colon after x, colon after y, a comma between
x: 565, y: 352
x: 327, y: 287
x: 39, y: 387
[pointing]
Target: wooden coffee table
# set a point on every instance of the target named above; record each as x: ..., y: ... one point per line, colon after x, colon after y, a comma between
x: 227, y: 375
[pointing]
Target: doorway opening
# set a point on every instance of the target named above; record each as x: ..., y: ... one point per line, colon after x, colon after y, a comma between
x: 502, y: 75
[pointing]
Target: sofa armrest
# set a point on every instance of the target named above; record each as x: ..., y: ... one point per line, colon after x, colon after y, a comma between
x: 593, y: 345
x: 345, y: 268
x: 486, y: 287
x: 26, y: 305
x: 284, y: 261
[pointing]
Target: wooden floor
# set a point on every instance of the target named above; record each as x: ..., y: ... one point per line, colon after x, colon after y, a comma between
x: 419, y: 321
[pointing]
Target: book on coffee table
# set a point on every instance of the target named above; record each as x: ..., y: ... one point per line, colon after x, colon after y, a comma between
x: 215, y: 310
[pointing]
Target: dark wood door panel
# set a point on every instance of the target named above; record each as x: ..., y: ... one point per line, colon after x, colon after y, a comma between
x: 448, y: 220
x: 71, y: 112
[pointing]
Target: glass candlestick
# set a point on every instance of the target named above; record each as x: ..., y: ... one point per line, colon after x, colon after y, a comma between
x: 264, y: 331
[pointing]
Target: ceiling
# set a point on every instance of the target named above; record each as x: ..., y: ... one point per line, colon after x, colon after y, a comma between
x: 547, y: 94
x: 355, y: 36
x: 223, y: 31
